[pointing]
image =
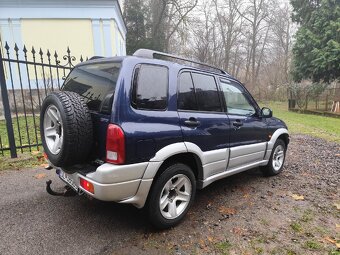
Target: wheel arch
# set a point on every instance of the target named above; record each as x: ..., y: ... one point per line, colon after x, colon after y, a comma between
x: 285, y: 138
x: 177, y: 152
x: 188, y: 158
x: 156, y: 168
x: 281, y: 133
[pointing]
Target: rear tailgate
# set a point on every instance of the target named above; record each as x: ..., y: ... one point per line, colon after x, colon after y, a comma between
x: 96, y: 83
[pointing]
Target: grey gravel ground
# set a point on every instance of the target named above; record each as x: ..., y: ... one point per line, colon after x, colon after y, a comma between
x: 243, y: 214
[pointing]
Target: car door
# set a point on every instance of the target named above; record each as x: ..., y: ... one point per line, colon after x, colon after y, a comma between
x: 248, y: 132
x: 202, y: 119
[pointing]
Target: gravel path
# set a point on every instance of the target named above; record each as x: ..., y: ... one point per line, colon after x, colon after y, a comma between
x: 293, y: 213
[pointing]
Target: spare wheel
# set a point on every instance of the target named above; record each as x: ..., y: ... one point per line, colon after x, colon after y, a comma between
x: 66, y: 128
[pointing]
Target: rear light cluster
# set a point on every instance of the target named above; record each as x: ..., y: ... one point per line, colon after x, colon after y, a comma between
x: 115, y: 145
x: 88, y: 186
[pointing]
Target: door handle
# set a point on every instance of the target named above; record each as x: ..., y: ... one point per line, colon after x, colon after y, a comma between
x: 237, y: 123
x: 192, y: 122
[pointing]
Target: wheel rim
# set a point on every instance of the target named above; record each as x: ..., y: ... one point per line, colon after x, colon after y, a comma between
x: 53, y: 129
x: 278, y: 157
x: 175, y: 196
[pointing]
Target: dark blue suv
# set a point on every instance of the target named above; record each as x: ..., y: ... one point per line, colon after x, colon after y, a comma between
x: 152, y: 128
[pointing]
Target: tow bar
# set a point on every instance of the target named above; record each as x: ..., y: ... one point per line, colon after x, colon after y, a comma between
x: 68, y: 191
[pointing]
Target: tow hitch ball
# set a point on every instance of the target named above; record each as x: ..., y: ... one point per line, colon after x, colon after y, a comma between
x: 68, y: 191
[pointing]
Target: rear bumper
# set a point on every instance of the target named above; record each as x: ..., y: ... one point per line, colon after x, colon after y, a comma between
x: 118, y: 183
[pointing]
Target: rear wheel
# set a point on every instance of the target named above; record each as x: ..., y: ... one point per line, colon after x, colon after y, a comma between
x: 171, y: 196
x: 276, y: 160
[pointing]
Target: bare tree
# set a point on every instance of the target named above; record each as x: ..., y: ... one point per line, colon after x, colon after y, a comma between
x: 166, y: 17
x: 276, y: 66
x: 230, y: 26
x: 255, y: 13
x: 282, y: 29
x: 204, y: 41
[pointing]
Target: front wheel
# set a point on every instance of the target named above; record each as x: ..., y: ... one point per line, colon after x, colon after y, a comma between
x: 277, y: 159
x: 171, y: 196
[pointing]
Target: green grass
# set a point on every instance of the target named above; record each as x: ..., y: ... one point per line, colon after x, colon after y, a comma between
x: 290, y: 252
x: 27, y: 132
x: 307, y: 216
x: 25, y: 160
x: 319, y: 126
x: 313, y: 245
x: 296, y: 227
x: 223, y: 247
x: 29, y: 158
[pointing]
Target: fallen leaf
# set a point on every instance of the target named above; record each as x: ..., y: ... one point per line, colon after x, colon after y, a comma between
x: 328, y: 239
x: 35, y: 152
x: 238, y: 231
x: 337, y: 205
x: 338, y: 155
x: 202, y: 244
x: 227, y: 211
x: 210, y: 239
x: 337, y: 225
x: 246, y: 195
x: 297, y: 197
x: 307, y: 174
x: 245, y: 191
x: 331, y: 240
x: 44, y: 165
x: 40, y: 176
x: 250, y: 203
x: 41, y: 159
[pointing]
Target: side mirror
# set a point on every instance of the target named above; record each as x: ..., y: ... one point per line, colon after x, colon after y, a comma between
x: 266, y: 112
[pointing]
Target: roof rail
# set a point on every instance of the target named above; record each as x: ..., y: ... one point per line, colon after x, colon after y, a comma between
x: 146, y: 53
x: 95, y: 57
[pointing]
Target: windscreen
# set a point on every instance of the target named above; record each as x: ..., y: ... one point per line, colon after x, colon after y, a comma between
x: 96, y: 83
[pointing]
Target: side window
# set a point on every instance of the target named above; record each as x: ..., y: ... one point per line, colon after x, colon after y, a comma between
x: 186, y: 94
x: 206, y: 93
x: 150, y: 87
x: 237, y: 102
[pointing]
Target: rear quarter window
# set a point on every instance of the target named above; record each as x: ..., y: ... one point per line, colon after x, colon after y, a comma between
x: 150, y: 87
x: 96, y: 83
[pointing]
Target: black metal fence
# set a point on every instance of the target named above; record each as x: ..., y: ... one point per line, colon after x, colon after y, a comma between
x: 26, y: 77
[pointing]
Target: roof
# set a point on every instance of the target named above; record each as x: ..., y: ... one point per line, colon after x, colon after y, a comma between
x: 179, y: 64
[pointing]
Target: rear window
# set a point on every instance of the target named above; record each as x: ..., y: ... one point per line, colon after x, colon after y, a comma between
x: 96, y: 83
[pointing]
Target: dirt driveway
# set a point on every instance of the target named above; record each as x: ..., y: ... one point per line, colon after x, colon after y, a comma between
x: 296, y: 212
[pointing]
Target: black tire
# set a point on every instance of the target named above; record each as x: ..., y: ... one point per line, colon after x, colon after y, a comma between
x: 156, y: 217
x: 269, y: 169
x: 74, y: 129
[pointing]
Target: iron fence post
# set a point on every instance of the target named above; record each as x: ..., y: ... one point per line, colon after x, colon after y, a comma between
x: 7, y: 110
